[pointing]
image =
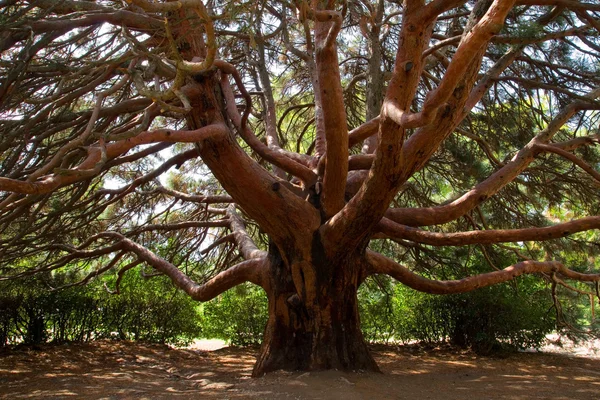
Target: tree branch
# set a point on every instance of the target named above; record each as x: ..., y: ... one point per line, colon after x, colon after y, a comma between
x: 368, y: 129
x: 274, y: 156
x: 571, y: 157
x: 112, y: 150
x: 361, y: 213
x: 330, y: 111
x: 383, y: 265
x: 179, y: 225
x: 398, y: 231
x: 472, y: 42
x: 495, y: 182
x: 245, y: 243
x: 254, y: 271
x: 204, y: 199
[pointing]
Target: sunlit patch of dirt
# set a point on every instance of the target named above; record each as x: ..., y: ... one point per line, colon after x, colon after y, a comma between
x: 124, y: 370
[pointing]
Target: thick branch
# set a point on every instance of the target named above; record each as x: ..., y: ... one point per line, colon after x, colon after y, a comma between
x: 491, y: 185
x: 358, y: 217
x: 245, y: 243
x: 368, y: 129
x: 473, y: 41
x: 398, y: 231
x: 111, y: 151
x: 331, y: 113
x: 118, y: 18
x: 248, y: 271
x: 383, y: 265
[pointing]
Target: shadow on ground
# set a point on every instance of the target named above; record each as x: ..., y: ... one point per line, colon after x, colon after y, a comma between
x: 124, y: 370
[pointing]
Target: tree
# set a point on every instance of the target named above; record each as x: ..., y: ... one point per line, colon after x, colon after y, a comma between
x: 480, y: 132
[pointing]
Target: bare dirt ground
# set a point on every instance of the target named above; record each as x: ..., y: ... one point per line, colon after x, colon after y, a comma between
x: 123, y: 370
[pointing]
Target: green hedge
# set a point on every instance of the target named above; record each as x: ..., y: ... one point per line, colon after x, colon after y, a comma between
x: 504, y: 315
x: 238, y: 316
x: 516, y: 315
x: 149, y: 310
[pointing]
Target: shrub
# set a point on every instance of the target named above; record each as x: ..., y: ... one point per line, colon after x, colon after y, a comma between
x: 150, y: 310
x: 238, y: 316
x: 502, y: 316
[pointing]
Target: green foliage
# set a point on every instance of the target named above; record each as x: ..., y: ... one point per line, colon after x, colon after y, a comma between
x: 516, y: 316
x: 30, y: 314
x: 238, y: 316
x: 149, y: 310
x: 501, y: 316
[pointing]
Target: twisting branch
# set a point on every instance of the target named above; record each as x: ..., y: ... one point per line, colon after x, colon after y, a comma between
x: 253, y: 271
x: 398, y: 231
x: 379, y: 264
x: 274, y: 156
x: 74, y: 253
x: 571, y: 157
x: 245, y: 243
x: 120, y: 275
x: 495, y: 182
x: 225, y: 239
x: 366, y: 130
x: 110, y: 151
x: 94, y: 273
x: 81, y: 139
x: 471, y: 43
x: 177, y: 160
x: 200, y: 9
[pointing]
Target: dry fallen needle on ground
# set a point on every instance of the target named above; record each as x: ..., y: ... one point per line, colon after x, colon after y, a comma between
x: 124, y: 370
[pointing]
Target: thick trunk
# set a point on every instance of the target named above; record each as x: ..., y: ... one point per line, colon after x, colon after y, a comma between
x: 324, y: 334
x: 313, y: 311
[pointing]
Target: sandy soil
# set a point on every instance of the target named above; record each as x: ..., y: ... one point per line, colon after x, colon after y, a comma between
x: 122, y: 370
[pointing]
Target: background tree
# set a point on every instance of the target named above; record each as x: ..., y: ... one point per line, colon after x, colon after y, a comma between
x: 482, y: 134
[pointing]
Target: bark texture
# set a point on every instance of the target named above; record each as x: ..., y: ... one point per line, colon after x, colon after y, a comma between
x: 318, y: 330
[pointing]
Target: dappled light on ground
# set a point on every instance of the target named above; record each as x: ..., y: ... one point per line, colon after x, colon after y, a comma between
x: 124, y: 370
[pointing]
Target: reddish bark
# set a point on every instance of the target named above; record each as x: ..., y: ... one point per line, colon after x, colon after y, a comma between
x: 318, y: 329
x: 318, y: 217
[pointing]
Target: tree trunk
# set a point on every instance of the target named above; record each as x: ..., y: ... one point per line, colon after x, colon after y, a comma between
x: 313, y: 310
x: 314, y: 335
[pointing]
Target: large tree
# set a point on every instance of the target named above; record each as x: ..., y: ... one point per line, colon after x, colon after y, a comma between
x: 315, y: 143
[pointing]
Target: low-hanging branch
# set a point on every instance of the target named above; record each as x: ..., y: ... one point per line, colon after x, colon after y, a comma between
x: 253, y: 270
x: 380, y: 264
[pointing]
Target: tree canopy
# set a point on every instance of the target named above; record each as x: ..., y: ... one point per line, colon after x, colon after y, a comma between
x: 302, y: 146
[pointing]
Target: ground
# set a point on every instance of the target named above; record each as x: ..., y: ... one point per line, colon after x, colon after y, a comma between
x: 125, y: 370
